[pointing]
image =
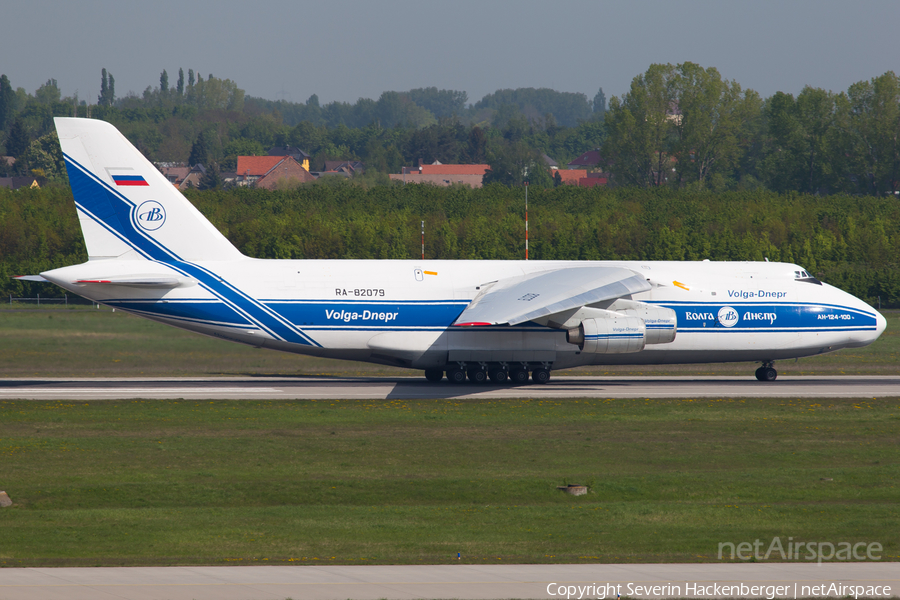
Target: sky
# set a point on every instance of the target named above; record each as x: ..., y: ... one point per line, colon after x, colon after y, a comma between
x: 345, y: 50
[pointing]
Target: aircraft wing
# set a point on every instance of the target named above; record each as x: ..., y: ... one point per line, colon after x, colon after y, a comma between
x: 519, y: 299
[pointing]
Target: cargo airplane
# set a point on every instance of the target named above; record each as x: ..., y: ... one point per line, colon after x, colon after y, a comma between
x: 152, y: 254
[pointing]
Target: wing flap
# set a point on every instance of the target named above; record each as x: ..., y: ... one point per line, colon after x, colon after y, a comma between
x: 539, y: 295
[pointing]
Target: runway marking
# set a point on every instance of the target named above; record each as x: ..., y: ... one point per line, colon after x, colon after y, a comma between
x: 413, y: 388
x: 169, y: 390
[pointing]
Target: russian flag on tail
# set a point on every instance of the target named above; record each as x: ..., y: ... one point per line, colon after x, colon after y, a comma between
x: 129, y: 180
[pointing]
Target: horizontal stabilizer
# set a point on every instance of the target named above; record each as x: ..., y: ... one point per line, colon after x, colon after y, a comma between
x: 30, y: 278
x: 520, y: 299
x: 140, y: 281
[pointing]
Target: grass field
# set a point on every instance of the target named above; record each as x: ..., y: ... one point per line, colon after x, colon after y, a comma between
x: 373, y: 482
x: 368, y: 482
x: 86, y: 342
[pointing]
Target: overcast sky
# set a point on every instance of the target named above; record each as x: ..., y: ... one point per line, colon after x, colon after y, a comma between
x: 344, y: 50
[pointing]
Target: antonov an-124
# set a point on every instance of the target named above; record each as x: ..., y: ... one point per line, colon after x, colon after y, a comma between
x: 152, y: 254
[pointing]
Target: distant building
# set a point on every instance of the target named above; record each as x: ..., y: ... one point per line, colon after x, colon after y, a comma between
x: 594, y: 180
x: 229, y: 178
x: 174, y: 172
x: 192, y: 179
x: 589, y: 160
x: 443, y: 175
x: 17, y: 183
x: 568, y: 176
x: 350, y: 167
x: 296, y: 153
x: 286, y: 171
x: 251, y: 168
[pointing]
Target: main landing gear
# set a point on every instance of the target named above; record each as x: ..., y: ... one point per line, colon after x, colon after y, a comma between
x: 495, y: 373
x: 766, y: 372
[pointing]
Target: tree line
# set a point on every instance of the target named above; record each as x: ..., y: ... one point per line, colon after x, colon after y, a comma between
x: 849, y: 241
x: 681, y: 126
x: 212, y: 121
x: 684, y: 125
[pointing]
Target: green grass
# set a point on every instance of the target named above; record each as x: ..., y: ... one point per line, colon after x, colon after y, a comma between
x: 370, y: 482
x: 59, y: 342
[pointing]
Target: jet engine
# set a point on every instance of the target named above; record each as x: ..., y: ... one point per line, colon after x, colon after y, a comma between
x: 613, y: 335
x: 661, y: 322
x: 625, y: 326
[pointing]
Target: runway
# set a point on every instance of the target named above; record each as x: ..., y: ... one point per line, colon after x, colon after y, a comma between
x: 759, y: 580
x: 390, y: 388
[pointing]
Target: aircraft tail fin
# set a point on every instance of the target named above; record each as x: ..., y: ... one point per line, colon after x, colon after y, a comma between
x: 126, y: 207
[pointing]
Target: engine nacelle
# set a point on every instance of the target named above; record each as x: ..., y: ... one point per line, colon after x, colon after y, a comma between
x: 661, y: 323
x: 614, y: 335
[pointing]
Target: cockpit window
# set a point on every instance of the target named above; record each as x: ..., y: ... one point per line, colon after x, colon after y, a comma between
x: 803, y: 275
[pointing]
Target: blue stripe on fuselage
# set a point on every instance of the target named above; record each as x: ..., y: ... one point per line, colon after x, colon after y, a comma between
x: 316, y: 315
x: 772, y: 317
x: 370, y: 314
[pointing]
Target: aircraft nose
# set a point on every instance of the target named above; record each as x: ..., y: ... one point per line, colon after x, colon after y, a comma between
x: 880, y: 324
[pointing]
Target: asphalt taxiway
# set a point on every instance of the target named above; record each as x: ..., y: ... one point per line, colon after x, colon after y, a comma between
x: 759, y: 580
x: 388, y: 388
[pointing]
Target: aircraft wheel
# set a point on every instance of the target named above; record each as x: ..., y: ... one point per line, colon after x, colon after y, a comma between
x: 434, y: 375
x: 456, y: 375
x: 766, y: 374
x: 497, y: 375
x: 518, y: 375
x: 540, y: 375
x: 477, y: 375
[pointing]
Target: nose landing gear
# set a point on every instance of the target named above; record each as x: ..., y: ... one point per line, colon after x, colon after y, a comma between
x: 767, y: 372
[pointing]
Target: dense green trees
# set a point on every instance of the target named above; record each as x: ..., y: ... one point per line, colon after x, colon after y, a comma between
x: 567, y: 108
x: 849, y: 241
x: 802, y: 137
x: 682, y: 125
x: 107, y: 89
x: 868, y: 120
x: 441, y: 103
x: 679, y: 125
x: 7, y: 101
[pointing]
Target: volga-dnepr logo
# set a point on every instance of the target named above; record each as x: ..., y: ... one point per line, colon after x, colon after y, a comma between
x: 151, y: 215
x: 728, y: 317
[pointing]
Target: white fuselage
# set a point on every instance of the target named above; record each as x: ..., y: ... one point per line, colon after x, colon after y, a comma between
x: 402, y: 312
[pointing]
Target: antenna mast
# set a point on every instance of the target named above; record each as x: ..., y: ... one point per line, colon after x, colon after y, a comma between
x: 526, y: 220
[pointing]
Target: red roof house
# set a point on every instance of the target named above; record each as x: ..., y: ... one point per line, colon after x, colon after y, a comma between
x: 256, y: 166
x: 287, y: 171
x: 588, y: 160
x: 569, y: 176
